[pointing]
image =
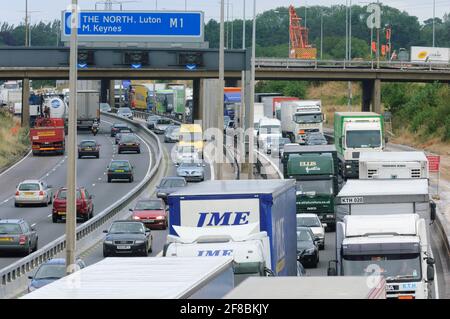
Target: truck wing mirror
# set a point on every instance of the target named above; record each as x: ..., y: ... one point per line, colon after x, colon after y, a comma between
x: 430, y: 273
x: 432, y: 211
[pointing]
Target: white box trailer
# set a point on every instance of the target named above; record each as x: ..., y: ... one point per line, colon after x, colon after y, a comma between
x: 309, y: 288
x: 88, y: 108
x: 391, y: 165
x: 145, y: 278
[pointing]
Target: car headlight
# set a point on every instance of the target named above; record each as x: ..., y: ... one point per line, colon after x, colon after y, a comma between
x: 348, y: 166
x: 139, y: 242
x: 160, y: 217
x: 136, y: 217
x: 310, y: 251
x: 108, y: 242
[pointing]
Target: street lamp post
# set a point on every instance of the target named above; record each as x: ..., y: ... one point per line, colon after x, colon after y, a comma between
x: 321, y: 35
x: 251, y: 116
x: 220, y: 97
x: 26, y: 23
x: 434, y: 23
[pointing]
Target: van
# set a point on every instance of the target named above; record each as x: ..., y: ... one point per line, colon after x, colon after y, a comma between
x: 191, y: 135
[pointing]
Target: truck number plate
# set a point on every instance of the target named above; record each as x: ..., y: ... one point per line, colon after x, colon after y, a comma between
x: 352, y: 200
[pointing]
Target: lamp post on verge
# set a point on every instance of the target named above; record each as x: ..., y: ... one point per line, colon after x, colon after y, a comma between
x: 251, y: 116
x: 434, y: 23
x: 71, y: 210
x: 220, y: 97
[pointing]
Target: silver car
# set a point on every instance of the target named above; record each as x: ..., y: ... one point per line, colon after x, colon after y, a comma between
x: 125, y: 112
x: 192, y: 172
x: 17, y: 235
x: 33, y: 192
x: 161, y: 125
x: 172, y: 134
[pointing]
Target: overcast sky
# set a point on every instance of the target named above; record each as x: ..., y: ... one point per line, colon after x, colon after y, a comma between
x: 48, y: 10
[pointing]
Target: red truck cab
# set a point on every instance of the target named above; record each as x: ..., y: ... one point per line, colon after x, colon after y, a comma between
x: 48, y: 136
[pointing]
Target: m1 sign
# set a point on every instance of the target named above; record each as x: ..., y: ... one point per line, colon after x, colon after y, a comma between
x: 433, y: 163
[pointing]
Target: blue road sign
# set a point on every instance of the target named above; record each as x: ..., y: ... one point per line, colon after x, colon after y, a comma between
x: 131, y: 24
x: 136, y: 66
x: 191, y: 67
x: 82, y: 65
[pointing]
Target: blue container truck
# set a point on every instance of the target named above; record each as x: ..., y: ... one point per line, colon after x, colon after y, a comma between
x: 269, y: 205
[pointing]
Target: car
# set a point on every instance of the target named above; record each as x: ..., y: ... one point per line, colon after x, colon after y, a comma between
x: 313, y: 222
x: 169, y: 185
x: 172, y: 134
x: 161, y: 125
x: 51, y: 271
x: 129, y: 143
x: 127, y: 237
x: 151, y: 121
x: 151, y: 212
x: 85, y: 205
x: 33, y: 192
x: 122, y: 132
x: 185, y: 154
x: 16, y: 235
x: 120, y: 169
x: 307, y: 250
x: 88, y: 148
x: 192, y: 172
x: 116, y: 127
x: 315, y: 139
x: 105, y: 107
x: 125, y: 112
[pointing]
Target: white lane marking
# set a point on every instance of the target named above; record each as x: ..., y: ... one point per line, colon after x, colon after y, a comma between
x: 49, y: 215
x: 99, y: 178
x: 12, y: 167
x: 93, y: 185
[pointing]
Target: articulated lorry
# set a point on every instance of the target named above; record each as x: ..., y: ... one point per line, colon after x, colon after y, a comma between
x: 393, y: 246
x: 145, y: 278
x: 268, y: 206
x: 316, y: 184
x: 356, y: 132
x: 391, y: 165
x: 299, y: 118
x: 250, y: 250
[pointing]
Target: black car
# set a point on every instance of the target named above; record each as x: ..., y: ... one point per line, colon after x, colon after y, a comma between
x: 127, y: 237
x: 120, y: 169
x: 117, y: 127
x: 169, y: 185
x: 17, y: 236
x: 307, y: 250
x: 129, y: 143
x: 88, y: 148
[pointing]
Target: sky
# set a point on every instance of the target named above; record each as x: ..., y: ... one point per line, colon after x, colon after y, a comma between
x: 48, y: 10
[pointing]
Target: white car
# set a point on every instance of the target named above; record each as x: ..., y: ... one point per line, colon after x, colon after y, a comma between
x: 313, y: 222
x: 33, y: 192
x: 186, y: 154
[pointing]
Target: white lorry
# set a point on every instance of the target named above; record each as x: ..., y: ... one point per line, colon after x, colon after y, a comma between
x: 269, y: 133
x: 10, y: 93
x: 88, y: 108
x: 144, y: 278
x: 391, y: 165
x: 250, y: 251
x: 298, y: 118
x: 393, y: 246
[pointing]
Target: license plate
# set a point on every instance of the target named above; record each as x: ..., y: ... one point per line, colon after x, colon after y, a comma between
x: 29, y: 194
x: 149, y: 221
x: 6, y: 239
x: 130, y: 144
x: 88, y: 149
x: 120, y: 171
x: 61, y: 213
x: 123, y: 247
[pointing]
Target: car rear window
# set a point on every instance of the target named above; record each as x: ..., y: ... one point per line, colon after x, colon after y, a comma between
x: 127, y: 138
x: 29, y: 187
x: 118, y: 165
x: 88, y: 144
x: 10, y: 229
x: 63, y: 194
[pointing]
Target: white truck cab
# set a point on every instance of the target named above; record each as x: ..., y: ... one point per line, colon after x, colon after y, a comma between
x: 393, y: 246
x: 269, y: 132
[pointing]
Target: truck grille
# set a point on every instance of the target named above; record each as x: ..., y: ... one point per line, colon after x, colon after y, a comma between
x: 123, y: 242
x: 371, y: 173
x: 415, y: 173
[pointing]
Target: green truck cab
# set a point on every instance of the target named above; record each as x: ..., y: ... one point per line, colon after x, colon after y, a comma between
x: 316, y: 173
x: 356, y: 132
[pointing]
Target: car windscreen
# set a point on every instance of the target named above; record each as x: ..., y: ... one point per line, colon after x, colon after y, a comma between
x: 118, y: 228
x: 303, y: 235
x: 88, y: 144
x: 308, y: 222
x: 51, y: 272
x: 149, y: 205
x: 124, y: 110
x: 62, y: 194
x: 29, y: 187
x: 172, y: 183
x: 187, y: 165
x: 119, y: 165
x: 10, y: 229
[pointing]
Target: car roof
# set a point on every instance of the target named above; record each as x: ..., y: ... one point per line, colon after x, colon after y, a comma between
x: 31, y: 181
x: 307, y: 215
x: 56, y: 261
x: 121, y: 160
x: 88, y: 141
x: 12, y: 221
x: 150, y: 200
x: 120, y: 124
x: 127, y: 221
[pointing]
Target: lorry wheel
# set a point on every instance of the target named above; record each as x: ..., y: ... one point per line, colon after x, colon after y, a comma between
x: 109, y: 179
x: 16, y: 205
x: 55, y: 218
x: 97, y: 156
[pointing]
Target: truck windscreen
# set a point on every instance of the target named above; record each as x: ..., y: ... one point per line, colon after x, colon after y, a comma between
x: 313, y: 187
x: 394, y: 267
x: 308, y: 118
x: 363, y: 139
x: 269, y: 129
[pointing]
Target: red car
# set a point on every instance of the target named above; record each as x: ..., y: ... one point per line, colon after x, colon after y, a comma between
x: 85, y: 205
x: 151, y: 212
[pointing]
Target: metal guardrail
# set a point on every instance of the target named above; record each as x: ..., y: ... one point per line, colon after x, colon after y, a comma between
x: 277, y: 170
x: 19, y: 269
x: 261, y: 63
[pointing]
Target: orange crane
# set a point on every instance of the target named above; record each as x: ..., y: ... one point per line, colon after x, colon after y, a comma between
x: 300, y: 48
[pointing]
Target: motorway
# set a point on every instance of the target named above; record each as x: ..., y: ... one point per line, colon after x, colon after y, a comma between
x: 91, y: 173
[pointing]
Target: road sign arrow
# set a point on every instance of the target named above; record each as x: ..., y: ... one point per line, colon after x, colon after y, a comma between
x: 82, y: 65
x: 136, y: 66
x: 191, y: 66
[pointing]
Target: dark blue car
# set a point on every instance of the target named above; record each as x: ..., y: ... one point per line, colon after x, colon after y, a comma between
x: 50, y: 271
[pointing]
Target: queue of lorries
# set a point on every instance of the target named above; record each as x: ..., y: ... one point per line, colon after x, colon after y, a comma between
x: 377, y: 202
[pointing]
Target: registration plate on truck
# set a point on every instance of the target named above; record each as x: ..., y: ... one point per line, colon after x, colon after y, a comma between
x: 352, y: 200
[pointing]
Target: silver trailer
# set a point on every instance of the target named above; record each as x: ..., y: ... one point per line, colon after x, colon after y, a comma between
x: 145, y: 278
x: 310, y: 288
x: 391, y: 165
x: 88, y: 108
